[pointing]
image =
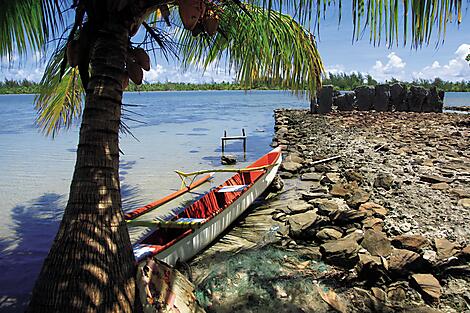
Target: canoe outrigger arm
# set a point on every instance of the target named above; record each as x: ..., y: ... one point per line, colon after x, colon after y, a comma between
x: 183, y: 176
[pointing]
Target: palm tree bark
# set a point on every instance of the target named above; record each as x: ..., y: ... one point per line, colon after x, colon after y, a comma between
x: 90, y: 267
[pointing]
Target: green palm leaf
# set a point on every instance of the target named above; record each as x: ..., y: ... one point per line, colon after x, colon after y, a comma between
x: 59, y: 101
x: 25, y: 25
x: 421, y: 16
x: 259, y: 47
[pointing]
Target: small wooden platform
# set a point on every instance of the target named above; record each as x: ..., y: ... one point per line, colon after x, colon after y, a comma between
x: 229, y: 138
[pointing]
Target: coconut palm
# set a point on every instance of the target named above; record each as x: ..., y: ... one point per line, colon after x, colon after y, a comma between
x: 90, y: 266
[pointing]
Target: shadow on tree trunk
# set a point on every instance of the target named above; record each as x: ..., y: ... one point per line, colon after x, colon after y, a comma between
x: 91, y: 266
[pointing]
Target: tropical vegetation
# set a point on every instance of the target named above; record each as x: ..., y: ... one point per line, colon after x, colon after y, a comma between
x: 340, y: 81
x: 90, y: 266
x: 343, y: 81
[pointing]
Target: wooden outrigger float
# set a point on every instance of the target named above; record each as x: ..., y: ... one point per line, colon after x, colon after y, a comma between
x: 198, y: 224
x: 133, y: 214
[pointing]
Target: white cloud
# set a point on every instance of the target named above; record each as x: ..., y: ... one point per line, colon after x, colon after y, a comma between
x: 340, y: 69
x: 160, y: 73
x: 335, y: 69
x: 394, y: 68
x: 456, y: 69
x: 22, y: 73
x: 157, y: 73
x: 29, y: 66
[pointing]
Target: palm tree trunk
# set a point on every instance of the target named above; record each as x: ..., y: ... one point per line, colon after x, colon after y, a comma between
x: 90, y: 267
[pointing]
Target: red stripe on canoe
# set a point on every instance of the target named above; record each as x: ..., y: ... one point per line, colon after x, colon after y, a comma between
x: 151, y: 206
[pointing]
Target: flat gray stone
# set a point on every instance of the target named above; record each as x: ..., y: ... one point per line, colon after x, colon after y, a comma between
x: 291, y: 167
x: 326, y: 234
x: 325, y: 206
x: 434, y: 179
x: 311, y: 176
x: 402, y: 261
x: 376, y: 243
x: 342, y: 252
x: 411, y: 242
x: 347, y: 217
x: 306, y: 195
x: 296, y: 207
x: 428, y: 285
x: 299, y: 223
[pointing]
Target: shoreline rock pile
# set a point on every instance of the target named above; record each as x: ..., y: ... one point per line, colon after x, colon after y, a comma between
x: 381, y: 98
x: 392, y: 211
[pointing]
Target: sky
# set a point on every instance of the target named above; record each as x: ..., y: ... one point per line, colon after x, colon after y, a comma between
x: 339, y: 54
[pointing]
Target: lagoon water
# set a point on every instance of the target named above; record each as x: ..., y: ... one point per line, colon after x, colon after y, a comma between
x: 180, y: 130
x: 176, y: 130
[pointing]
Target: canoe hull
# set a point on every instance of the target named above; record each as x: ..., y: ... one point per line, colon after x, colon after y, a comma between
x: 189, y: 246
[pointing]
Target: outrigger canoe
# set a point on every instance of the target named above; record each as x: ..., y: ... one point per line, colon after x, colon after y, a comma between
x: 133, y: 214
x: 198, y: 224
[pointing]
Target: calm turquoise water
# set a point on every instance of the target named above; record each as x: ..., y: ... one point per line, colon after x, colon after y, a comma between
x: 180, y: 130
x: 457, y: 99
x: 177, y: 130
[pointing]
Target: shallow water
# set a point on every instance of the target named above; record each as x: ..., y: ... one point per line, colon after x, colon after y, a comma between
x: 457, y: 99
x: 180, y: 130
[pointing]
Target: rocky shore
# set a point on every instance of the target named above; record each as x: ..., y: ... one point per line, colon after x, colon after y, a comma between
x: 374, y: 217
x: 394, y: 207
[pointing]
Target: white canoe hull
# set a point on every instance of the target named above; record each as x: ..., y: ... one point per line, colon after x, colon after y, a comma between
x: 189, y: 246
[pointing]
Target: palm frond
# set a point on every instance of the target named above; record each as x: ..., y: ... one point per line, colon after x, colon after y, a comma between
x: 59, y: 101
x: 423, y: 17
x: 385, y: 19
x: 26, y: 25
x: 260, y: 47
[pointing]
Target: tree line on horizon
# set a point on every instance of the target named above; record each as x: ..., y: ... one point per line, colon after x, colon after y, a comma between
x: 344, y: 81
x: 341, y: 81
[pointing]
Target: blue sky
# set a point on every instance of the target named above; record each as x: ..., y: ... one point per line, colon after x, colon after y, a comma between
x: 446, y: 61
x: 338, y: 52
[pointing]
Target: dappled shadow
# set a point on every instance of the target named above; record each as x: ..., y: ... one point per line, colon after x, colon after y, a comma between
x: 34, y: 226
x: 131, y: 197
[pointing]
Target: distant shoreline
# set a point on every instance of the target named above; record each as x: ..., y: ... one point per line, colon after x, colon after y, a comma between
x: 343, y: 82
x: 158, y: 90
x: 19, y: 92
x: 34, y: 88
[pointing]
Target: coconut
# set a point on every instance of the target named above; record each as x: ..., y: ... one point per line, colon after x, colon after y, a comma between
x: 211, y: 22
x: 135, y: 72
x: 125, y: 81
x: 142, y: 58
x: 198, y: 29
x: 190, y: 12
x: 73, y: 52
x: 165, y: 11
